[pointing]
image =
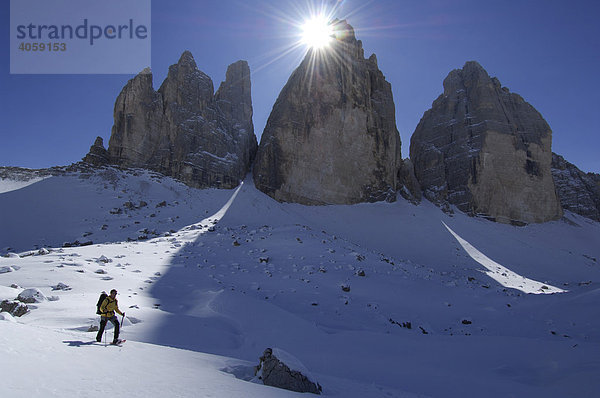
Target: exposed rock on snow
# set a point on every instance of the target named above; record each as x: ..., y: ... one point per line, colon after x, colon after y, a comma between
x: 77, y: 243
x: 14, y: 308
x: 98, y: 155
x: 32, y: 295
x: 275, y: 373
x: 43, y: 251
x: 331, y: 137
x: 486, y: 151
x: 104, y: 259
x: 407, y: 325
x: 61, y: 286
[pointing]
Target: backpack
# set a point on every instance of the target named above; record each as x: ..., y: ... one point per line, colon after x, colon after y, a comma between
x: 100, y: 300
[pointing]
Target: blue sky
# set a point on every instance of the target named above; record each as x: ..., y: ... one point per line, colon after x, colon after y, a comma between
x: 545, y: 50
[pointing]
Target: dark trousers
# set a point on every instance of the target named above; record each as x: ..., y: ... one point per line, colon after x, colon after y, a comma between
x: 103, y: 321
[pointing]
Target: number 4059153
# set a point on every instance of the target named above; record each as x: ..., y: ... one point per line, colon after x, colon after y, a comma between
x: 43, y: 47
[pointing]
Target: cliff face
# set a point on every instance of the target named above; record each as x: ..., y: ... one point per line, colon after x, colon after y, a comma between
x: 485, y: 150
x: 235, y: 101
x: 183, y: 129
x: 136, y: 134
x: 579, y: 192
x: 331, y: 137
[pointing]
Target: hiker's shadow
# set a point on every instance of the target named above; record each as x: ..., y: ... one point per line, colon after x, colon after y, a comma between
x: 78, y: 343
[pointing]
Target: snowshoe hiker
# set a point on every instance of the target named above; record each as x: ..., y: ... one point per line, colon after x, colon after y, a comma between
x: 107, y: 313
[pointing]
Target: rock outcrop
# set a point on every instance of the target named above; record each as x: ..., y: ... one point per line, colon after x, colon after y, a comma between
x: 486, y: 151
x: 15, y: 308
x: 32, y: 295
x: 579, y: 192
x: 409, y: 185
x: 331, y: 137
x: 184, y: 130
x: 275, y: 373
x: 98, y: 155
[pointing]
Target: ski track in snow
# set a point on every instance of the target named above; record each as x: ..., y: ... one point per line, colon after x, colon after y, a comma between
x: 190, y: 233
x: 503, y: 275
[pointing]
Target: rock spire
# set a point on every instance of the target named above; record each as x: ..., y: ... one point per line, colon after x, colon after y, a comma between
x: 184, y: 129
x: 486, y: 151
x: 331, y: 137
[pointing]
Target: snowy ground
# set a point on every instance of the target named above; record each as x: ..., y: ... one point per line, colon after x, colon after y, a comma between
x: 376, y: 300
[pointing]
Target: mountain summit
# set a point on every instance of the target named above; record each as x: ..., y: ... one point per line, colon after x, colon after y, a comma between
x: 184, y: 129
x: 486, y: 151
x: 331, y: 137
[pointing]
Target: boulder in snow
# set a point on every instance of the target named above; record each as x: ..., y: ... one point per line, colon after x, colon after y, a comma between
x: 290, y: 375
x: 32, y: 295
x: 104, y: 259
x: 61, y: 286
x: 14, y: 308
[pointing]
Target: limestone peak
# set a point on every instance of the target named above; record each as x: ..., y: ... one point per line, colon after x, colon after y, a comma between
x: 331, y: 137
x: 486, y: 151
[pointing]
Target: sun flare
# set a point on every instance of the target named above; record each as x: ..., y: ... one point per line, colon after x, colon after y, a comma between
x: 317, y: 32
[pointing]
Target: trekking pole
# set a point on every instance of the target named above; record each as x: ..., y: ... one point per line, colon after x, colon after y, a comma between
x: 122, y: 319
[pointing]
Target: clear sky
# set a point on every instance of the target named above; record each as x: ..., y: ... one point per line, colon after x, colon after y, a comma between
x: 545, y: 50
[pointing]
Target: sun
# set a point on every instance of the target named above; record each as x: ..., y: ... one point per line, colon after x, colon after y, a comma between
x: 317, y: 32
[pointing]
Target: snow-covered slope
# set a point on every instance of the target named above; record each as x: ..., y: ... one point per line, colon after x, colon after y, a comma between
x: 107, y: 205
x: 376, y: 300
x: 40, y: 362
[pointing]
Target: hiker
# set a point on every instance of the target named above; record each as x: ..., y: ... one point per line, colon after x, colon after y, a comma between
x: 107, y: 313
